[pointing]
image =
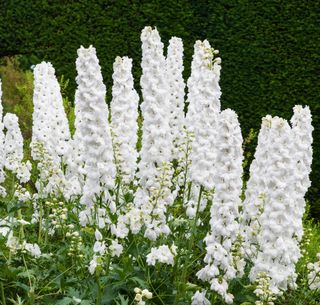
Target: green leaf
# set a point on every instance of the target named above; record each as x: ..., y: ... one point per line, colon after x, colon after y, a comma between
x: 65, y: 301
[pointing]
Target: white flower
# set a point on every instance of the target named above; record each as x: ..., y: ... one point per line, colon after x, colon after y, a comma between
x: 156, y: 137
x: 93, y: 134
x: 115, y: 248
x: 50, y: 123
x: 314, y: 274
x: 98, y: 235
x: 22, y: 194
x: 33, y: 249
x: 278, y: 246
x: 14, y: 149
x: 202, y: 116
x: 124, y: 115
x: 225, y: 206
x: 162, y: 254
x: 199, y: 298
x: 93, y: 264
x: 99, y: 247
x: 302, y: 138
x: 13, y: 243
x: 256, y: 190
x: 147, y: 294
x: 174, y: 69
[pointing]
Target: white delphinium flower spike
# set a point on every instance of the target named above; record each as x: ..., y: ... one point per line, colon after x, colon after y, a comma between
x: 2, y: 153
x: 14, y: 149
x: 222, y: 264
x: 156, y: 153
x: 278, y: 246
x: 202, y: 116
x: 174, y: 67
x: 302, y: 133
x: 97, y: 156
x: 50, y: 123
x: 256, y: 189
x: 155, y: 107
x: 124, y: 115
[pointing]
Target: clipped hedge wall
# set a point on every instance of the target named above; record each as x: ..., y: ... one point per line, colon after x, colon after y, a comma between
x: 270, y: 49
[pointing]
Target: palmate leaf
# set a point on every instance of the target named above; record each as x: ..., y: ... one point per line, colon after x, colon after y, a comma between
x: 123, y: 301
x: 26, y: 274
x: 65, y: 301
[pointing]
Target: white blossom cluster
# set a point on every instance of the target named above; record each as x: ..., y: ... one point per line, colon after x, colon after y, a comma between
x: 119, y: 192
x: 263, y: 291
x: 163, y: 254
x: 202, y: 116
x: 174, y: 69
x: 50, y: 123
x: 94, y: 130
x: 156, y: 137
x: 100, y: 249
x: 302, y: 139
x: 224, y: 228
x: 14, y: 245
x: 199, y: 298
x: 124, y: 115
x: 51, y: 178
x: 13, y: 148
x: 278, y: 247
x: 314, y: 274
x: 256, y: 190
x: 142, y: 294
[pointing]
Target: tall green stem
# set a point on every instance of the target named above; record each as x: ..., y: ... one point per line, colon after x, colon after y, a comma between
x: 40, y: 220
x: 182, y: 283
x: 3, y: 299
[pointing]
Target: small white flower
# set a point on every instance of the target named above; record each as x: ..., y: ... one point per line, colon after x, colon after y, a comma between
x: 33, y: 249
x: 162, y: 254
x: 98, y: 235
x: 115, y: 248
x: 199, y: 298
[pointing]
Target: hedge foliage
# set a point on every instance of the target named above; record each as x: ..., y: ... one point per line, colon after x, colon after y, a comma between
x: 270, y: 49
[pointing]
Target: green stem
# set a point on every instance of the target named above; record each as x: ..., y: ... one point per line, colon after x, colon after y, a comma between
x: 118, y: 192
x: 13, y: 189
x: 40, y: 220
x: 40, y: 213
x: 2, y: 294
x: 99, y: 297
x: 182, y: 283
x: 21, y: 233
x: 31, y: 291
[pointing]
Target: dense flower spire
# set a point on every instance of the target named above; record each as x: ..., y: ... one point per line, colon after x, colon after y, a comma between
x: 50, y: 123
x: 97, y: 156
x: 202, y: 117
x: 278, y: 250
x: 124, y: 115
x: 174, y: 66
x: 302, y: 138
x: 222, y: 263
x: 14, y: 148
x: 256, y: 189
x: 156, y: 137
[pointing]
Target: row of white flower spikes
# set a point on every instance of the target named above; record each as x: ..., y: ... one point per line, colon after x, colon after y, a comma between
x: 102, y: 149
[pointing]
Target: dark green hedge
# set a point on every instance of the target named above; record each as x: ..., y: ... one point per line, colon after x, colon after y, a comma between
x: 270, y: 49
